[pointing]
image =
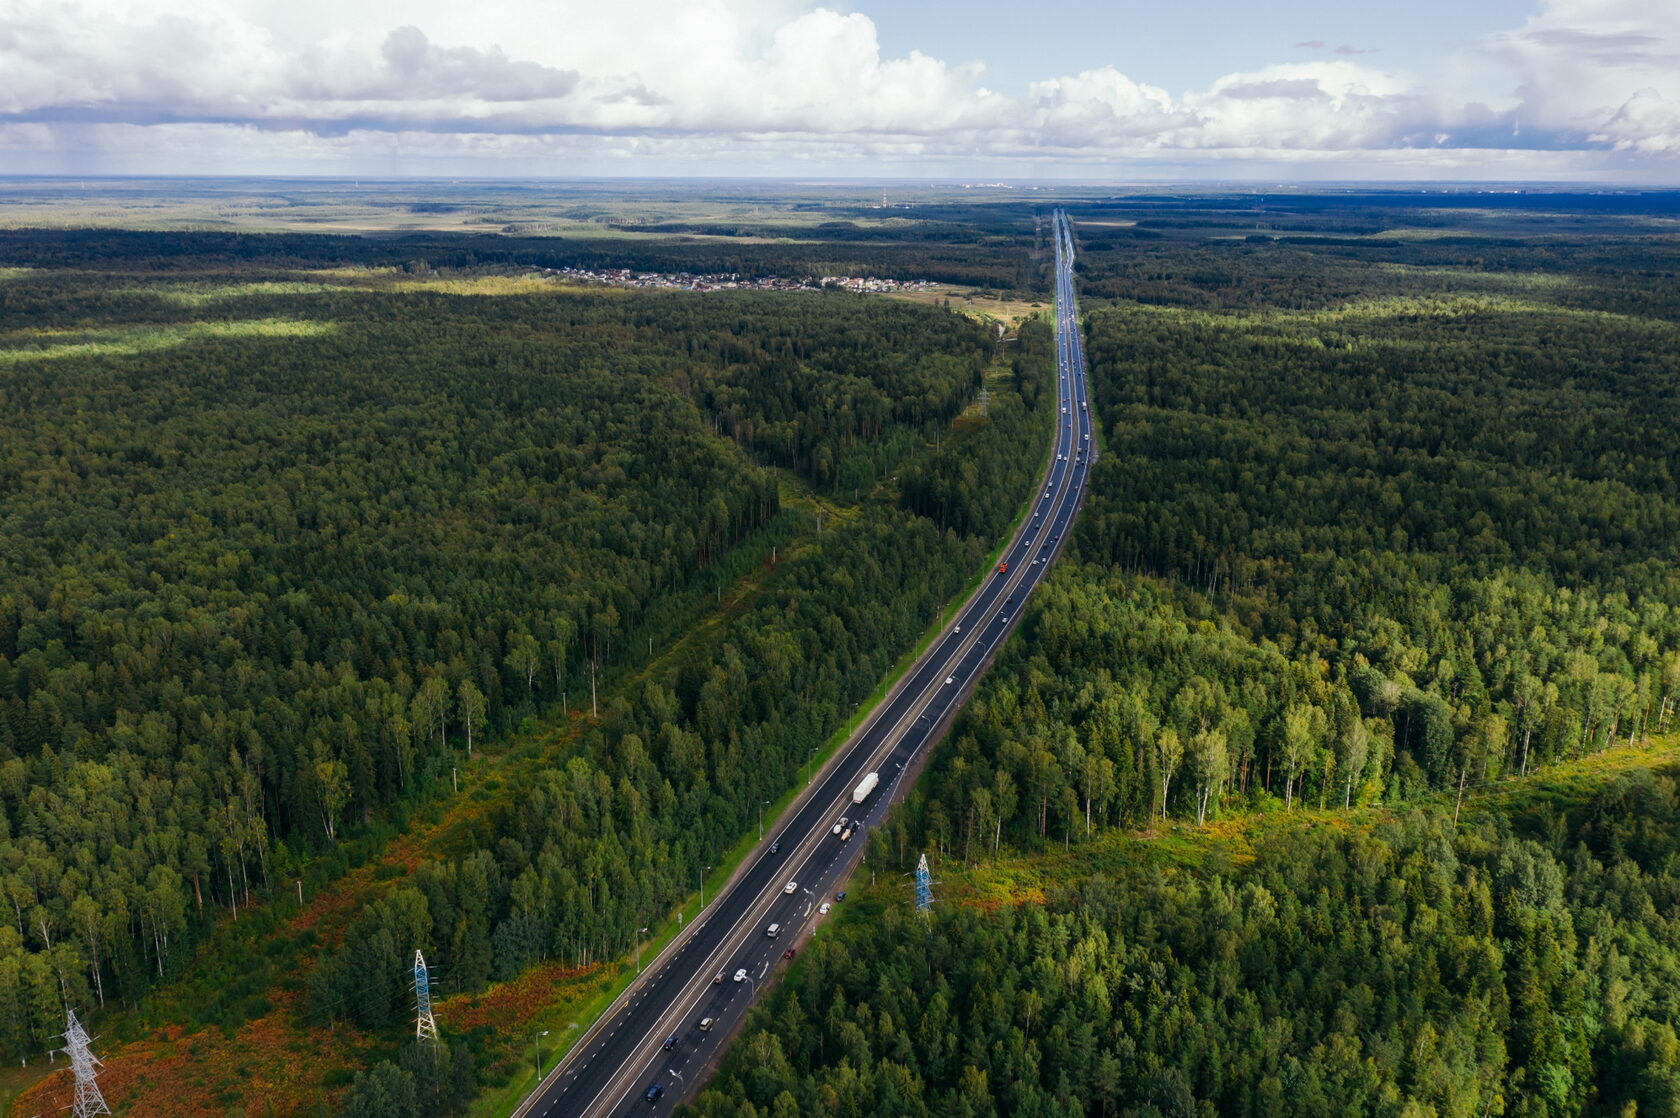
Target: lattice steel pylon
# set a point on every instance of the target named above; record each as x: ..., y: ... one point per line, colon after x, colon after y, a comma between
x: 425, y: 1027
x: 84, y: 1066
x: 924, y: 886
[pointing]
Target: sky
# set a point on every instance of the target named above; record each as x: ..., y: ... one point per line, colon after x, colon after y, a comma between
x: 1093, y: 90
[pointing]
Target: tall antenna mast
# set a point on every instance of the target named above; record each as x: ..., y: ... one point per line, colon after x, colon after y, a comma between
x: 924, y: 887
x: 84, y: 1066
x: 425, y: 1027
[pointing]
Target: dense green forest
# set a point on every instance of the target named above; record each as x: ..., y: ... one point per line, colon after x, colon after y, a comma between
x: 1520, y: 967
x: 276, y: 556
x: 1373, y: 521
x: 1343, y: 554
x: 623, y: 829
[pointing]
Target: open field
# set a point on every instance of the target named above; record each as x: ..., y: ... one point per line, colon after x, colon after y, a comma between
x: 1003, y: 311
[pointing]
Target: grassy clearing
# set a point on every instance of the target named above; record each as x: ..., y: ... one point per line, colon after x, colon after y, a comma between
x: 1439, y: 307
x: 209, y: 294
x: 1014, y: 877
x: 44, y: 345
x: 1008, y: 313
x: 1494, y: 281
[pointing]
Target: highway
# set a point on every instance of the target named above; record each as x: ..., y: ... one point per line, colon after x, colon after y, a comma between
x: 654, y: 1035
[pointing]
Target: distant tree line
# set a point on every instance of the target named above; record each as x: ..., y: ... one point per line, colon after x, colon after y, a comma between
x: 998, y: 263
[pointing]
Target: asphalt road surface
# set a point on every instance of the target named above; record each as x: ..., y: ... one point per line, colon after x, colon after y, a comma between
x: 653, y: 1035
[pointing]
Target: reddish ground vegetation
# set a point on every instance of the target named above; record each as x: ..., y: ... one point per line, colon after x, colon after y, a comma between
x: 513, y: 1003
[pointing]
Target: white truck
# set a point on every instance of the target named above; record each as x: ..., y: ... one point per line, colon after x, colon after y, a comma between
x: 865, y: 786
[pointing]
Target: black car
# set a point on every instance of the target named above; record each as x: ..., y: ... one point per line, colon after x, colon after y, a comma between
x: 670, y: 1042
x: 654, y: 1092
x: 775, y: 848
x: 840, y: 896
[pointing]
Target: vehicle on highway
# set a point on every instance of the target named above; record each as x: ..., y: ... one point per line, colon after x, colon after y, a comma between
x: 775, y: 848
x: 822, y: 910
x: 788, y: 954
x: 865, y: 786
x: 773, y: 931
x: 791, y: 888
x: 654, y: 1092
x: 840, y: 826
x: 670, y: 1042
x: 1003, y: 568
x: 845, y: 836
x: 706, y: 1024
x: 741, y: 975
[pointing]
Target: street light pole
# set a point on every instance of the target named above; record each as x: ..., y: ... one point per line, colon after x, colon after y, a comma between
x: 640, y: 932
x: 761, y: 808
x: 703, y: 874
x: 536, y: 1050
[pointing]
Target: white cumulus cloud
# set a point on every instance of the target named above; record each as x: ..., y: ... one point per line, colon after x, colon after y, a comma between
x: 762, y: 81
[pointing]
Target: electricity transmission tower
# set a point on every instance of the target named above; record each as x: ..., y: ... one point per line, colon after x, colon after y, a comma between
x: 425, y: 1027
x: 924, y: 886
x: 88, y: 1101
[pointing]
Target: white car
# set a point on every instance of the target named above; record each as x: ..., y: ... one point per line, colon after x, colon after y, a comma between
x: 822, y: 909
x: 840, y: 826
x: 791, y: 887
x: 950, y: 679
x: 741, y: 975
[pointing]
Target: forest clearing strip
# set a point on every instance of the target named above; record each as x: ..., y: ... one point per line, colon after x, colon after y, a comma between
x: 1232, y: 841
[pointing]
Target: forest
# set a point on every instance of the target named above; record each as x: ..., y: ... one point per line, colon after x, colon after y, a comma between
x: 1378, y: 528
x: 281, y: 554
x: 1343, y: 554
x: 1519, y: 966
